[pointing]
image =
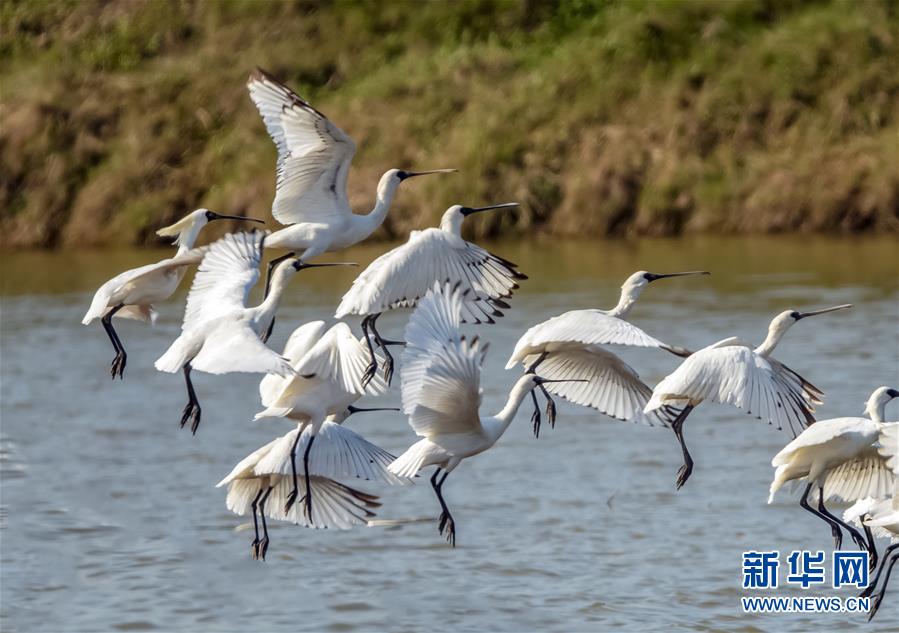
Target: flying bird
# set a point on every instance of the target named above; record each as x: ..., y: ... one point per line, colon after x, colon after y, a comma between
x: 732, y: 372
x: 220, y: 334
x: 572, y: 345
x: 260, y: 484
x: 314, y: 157
x: 328, y: 366
x: 440, y: 384
x: 398, y: 278
x: 131, y: 294
x: 843, y: 458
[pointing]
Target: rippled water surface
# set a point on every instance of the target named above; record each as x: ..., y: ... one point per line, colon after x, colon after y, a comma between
x: 110, y: 519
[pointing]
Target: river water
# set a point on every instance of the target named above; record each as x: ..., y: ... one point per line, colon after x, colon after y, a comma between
x: 110, y: 518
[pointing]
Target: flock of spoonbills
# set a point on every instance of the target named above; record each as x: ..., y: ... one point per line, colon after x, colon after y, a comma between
x: 315, y: 381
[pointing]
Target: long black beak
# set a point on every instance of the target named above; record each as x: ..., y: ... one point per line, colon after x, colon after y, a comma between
x: 466, y: 211
x: 218, y: 216
x: 300, y: 264
x: 655, y: 276
x: 413, y: 174
x: 542, y: 381
x: 893, y: 393
x: 802, y: 315
x: 353, y: 409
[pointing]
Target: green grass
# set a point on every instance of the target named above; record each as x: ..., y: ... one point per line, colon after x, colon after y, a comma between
x: 601, y: 117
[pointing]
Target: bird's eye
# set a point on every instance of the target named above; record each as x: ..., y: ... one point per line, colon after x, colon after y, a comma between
x: 794, y: 314
x: 210, y: 215
x: 402, y: 175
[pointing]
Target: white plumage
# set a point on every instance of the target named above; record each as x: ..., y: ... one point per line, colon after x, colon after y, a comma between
x: 732, y: 372
x: 314, y: 157
x: 131, y: 294
x: 400, y: 277
x: 571, y: 345
x: 441, y: 394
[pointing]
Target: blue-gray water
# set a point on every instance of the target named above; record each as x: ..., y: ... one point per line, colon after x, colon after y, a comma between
x: 110, y: 520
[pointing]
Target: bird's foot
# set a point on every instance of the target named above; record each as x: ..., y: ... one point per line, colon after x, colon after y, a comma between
x: 872, y: 561
x: 388, y: 369
x: 875, y: 605
x: 551, y: 412
x: 262, y: 548
x: 868, y: 591
x: 254, y: 548
x: 837, y: 537
x: 370, y: 372
x: 307, y: 507
x: 683, y: 474
x: 191, y: 413
x: 118, y: 365
x: 860, y: 541
x: 291, y: 499
x: 535, y: 420
x: 448, y: 525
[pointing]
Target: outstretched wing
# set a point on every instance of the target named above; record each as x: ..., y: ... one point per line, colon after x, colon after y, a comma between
x: 888, y: 446
x: 731, y: 373
x: 612, y: 386
x: 587, y: 327
x: 441, y: 371
x: 338, y: 357
x: 400, y: 277
x: 230, y: 268
x: 314, y: 155
x: 238, y: 349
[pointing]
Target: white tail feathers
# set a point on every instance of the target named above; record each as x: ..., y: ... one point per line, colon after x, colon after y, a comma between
x: 273, y: 412
x: 780, y: 478
x: 409, y: 463
x: 175, y: 357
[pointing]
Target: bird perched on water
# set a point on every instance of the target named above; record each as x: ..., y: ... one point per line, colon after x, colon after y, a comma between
x: 571, y: 345
x: 328, y: 366
x: 843, y: 458
x: 441, y: 394
x: 398, y: 278
x: 732, y: 372
x: 220, y: 334
x: 131, y: 294
x: 314, y: 157
x: 261, y: 483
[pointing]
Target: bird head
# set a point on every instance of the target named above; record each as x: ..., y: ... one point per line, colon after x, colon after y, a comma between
x: 640, y: 279
x: 783, y: 321
x: 451, y: 222
x: 875, y: 405
x: 187, y: 228
x: 393, y: 177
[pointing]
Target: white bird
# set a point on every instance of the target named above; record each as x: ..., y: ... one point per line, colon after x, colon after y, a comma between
x: 732, y: 372
x: 398, y: 278
x: 131, y: 294
x: 571, y: 344
x: 327, y: 379
x: 869, y: 508
x: 265, y: 473
x: 881, y: 517
x: 441, y: 394
x: 220, y: 334
x: 314, y: 157
x: 843, y: 458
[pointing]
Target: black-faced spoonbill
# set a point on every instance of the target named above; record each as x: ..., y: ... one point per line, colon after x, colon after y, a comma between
x: 398, y: 278
x: 732, y: 372
x: 440, y: 383
x: 220, y: 334
x: 131, y: 294
x: 843, y: 458
x: 571, y: 345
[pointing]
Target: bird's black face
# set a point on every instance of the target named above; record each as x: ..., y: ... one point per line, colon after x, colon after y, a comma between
x: 402, y: 175
x: 795, y: 315
x: 893, y: 393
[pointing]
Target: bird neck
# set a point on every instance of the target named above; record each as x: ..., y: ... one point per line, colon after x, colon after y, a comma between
x: 188, y: 237
x: 498, y: 424
x: 876, y: 411
x: 625, y: 304
x: 383, y: 200
x: 265, y: 311
x: 451, y: 222
x: 776, y: 332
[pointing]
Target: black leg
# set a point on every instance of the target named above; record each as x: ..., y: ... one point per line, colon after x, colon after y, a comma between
x: 883, y: 588
x: 550, y: 407
x: 855, y: 534
x: 118, y: 363
x: 683, y: 474
x: 533, y: 368
x: 192, y: 410
x: 268, y: 287
x: 308, y: 497
x: 255, y: 545
x: 535, y: 416
x: 373, y: 364
x: 890, y: 550
x: 263, y: 544
x: 446, y: 519
x: 834, y: 528
x: 388, y: 358
x: 292, y: 497
x: 871, y: 547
